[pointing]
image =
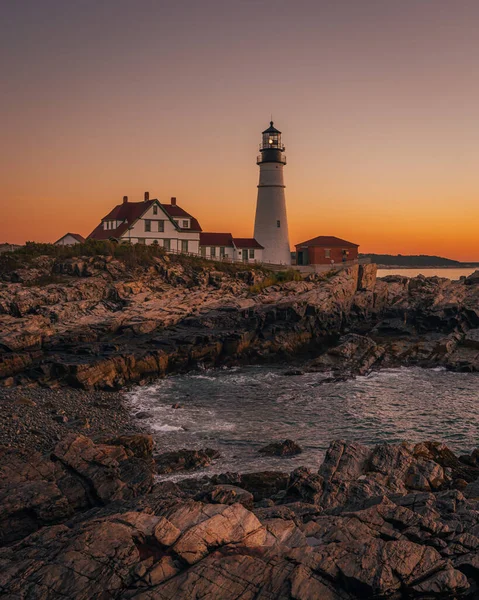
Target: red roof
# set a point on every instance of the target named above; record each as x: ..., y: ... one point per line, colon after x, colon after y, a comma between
x: 328, y: 241
x: 79, y: 238
x: 129, y: 212
x: 247, y: 243
x: 175, y: 211
x: 216, y: 239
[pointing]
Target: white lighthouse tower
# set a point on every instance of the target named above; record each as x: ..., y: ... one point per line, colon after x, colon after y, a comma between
x: 271, y: 223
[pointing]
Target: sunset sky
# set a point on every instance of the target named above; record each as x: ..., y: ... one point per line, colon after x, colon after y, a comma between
x: 378, y: 102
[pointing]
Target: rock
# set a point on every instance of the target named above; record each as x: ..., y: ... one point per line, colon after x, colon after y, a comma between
x: 367, y: 277
x: 229, y: 494
x: 140, y: 444
x: 262, y: 484
x: 293, y: 373
x: 471, y: 339
x: 179, y: 460
x: 284, y: 448
x: 443, y: 584
x: 177, y: 405
x: 233, y: 524
x: 110, y: 472
x: 473, y: 279
x: 60, y: 418
x: 471, y: 490
x: 37, y: 490
x: 143, y: 414
x: 25, y: 402
x: 305, y: 485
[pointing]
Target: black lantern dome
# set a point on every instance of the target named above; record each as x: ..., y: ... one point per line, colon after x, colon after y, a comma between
x: 271, y: 146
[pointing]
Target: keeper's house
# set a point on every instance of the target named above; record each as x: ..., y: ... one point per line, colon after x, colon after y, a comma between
x: 326, y: 250
x: 221, y: 246
x: 150, y: 222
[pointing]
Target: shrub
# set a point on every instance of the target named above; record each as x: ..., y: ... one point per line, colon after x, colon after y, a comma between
x: 131, y: 255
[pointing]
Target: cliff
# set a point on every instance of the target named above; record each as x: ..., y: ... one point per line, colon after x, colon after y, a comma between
x: 101, y: 324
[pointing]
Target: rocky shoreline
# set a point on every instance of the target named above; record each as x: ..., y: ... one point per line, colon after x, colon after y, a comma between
x: 82, y: 511
x: 88, y: 520
x: 36, y: 419
x: 106, y: 326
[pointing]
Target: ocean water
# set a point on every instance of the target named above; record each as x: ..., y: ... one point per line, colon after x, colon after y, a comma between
x: 237, y: 411
x: 453, y: 274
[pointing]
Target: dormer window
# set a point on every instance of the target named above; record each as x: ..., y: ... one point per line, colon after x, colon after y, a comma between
x: 185, y: 224
x: 155, y: 209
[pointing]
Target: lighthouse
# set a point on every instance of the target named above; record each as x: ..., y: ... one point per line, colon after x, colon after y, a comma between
x: 271, y: 223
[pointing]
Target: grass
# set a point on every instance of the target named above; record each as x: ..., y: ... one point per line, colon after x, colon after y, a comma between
x: 131, y: 255
x: 276, y: 278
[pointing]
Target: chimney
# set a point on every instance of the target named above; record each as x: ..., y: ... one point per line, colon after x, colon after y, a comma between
x: 147, y: 196
x: 173, y: 201
x: 125, y: 199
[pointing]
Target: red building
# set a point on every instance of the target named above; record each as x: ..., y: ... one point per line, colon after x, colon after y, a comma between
x: 325, y: 250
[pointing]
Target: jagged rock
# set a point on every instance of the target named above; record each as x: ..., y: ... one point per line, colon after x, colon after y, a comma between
x: 354, y: 354
x: 473, y: 279
x: 35, y: 490
x: 109, y: 472
x: 304, y: 485
x: 141, y: 445
x: 163, y: 544
x: 229, y: 494
x: 284, y: 448
x: 443, y: 584
x: 233, y: 524
x: 179, y: 460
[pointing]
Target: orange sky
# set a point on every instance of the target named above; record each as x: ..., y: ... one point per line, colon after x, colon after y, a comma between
x: 377, y: 102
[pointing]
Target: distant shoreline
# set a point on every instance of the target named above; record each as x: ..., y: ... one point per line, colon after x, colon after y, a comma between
x: 460, y: 266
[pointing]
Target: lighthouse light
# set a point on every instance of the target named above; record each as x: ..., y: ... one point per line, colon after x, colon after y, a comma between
x: 271, y: 140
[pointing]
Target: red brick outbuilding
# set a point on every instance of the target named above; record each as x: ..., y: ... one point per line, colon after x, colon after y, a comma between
x: 325, y: 250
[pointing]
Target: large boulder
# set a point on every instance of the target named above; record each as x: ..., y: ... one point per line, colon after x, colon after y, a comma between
x: 185, y: 460
x: 284, y: 448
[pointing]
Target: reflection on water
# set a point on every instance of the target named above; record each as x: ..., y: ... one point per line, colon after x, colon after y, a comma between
x: 239, y: 410
x: 453, y: 274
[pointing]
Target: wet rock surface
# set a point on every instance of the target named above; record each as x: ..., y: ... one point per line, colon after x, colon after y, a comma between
x: 88, y: 521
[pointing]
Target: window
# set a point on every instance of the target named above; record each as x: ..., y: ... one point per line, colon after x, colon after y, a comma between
x: 166, y: 244
x: 203, y: 250
x: 251, y: 253
x: 213, y: 251
x: 278, y: 223
x: 147, y: 225
x: 155, y: 209
x: 184, y: 245
x: 155, y: 243
x: 186, y: 224
x: 327, y: 253
x: 222, y: 252
x: 141, y: 241
x: 161, y: 226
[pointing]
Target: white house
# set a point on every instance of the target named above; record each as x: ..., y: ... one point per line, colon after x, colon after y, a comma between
x: 223, y: 246
x: 150, y: 222
x: 69, y: 239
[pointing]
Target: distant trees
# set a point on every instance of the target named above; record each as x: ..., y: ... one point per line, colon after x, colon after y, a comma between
x: 422, y: 260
